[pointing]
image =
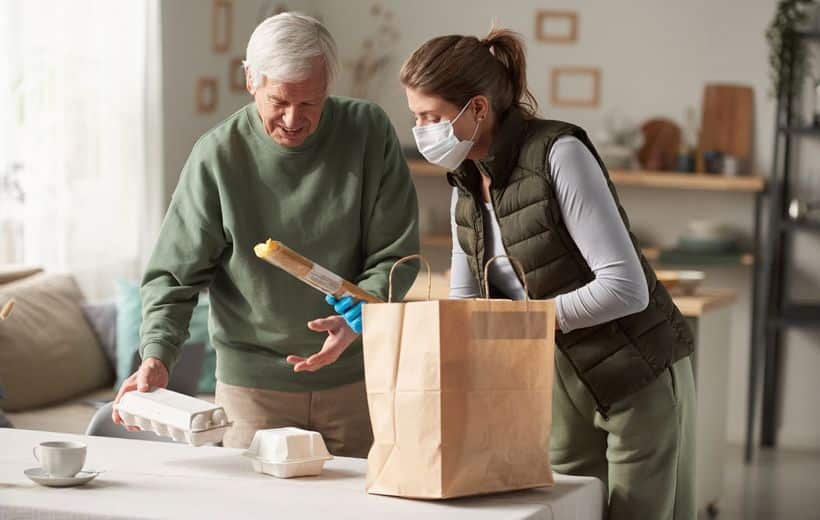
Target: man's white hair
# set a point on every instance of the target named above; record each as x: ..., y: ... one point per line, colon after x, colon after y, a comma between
x: 282, y: 46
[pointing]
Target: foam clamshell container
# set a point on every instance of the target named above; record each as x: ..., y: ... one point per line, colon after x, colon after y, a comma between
x: 288, y: 452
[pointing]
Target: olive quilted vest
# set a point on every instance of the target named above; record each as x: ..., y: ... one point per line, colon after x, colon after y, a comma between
x: 613, y: 359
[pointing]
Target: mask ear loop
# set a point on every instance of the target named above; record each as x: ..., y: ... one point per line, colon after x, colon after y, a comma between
x: 478, y: 122
x: 475, y: 131
x: 461, y: 112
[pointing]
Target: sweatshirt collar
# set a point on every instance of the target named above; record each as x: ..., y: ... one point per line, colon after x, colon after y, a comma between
x: 324, y: 128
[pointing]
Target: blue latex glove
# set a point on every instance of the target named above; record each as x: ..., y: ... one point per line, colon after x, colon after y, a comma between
x: 349, y: 309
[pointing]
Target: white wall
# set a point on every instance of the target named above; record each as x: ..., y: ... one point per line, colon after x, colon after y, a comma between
x: 655, y: 57
x: 187, y: 55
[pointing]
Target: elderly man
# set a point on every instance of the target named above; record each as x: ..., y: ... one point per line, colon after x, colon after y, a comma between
x: 324, y: 175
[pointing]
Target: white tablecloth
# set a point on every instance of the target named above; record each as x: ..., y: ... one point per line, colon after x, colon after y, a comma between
x: 144, y: 479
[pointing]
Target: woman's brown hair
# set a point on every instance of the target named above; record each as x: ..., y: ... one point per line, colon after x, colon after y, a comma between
x: 458, y: 68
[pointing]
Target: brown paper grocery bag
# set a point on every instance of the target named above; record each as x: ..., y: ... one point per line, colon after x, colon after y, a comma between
x: 460, y: 396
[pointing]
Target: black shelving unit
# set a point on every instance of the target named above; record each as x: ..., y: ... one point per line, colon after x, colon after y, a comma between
x: 808, y: 225
x: 801, y: 130
x: 799, y: 315
x: 772, y: 301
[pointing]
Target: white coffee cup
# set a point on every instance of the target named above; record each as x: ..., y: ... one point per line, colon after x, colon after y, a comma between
x: 60, y: 458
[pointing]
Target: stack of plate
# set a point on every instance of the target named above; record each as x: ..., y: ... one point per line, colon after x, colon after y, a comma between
x: 707, y: 237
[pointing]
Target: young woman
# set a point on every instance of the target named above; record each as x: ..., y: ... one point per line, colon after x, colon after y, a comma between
x: 536, y: 189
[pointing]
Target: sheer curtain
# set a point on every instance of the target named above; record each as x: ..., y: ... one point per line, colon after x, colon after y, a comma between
x: 82, y: 104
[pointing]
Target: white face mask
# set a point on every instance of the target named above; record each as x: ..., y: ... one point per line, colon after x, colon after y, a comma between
x: 438, y: 143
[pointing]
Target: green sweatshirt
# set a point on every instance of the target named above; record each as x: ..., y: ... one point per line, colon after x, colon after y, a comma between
x: 344, y: 199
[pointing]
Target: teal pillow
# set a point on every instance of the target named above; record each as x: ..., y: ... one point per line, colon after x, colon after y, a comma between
x: 129, y: 320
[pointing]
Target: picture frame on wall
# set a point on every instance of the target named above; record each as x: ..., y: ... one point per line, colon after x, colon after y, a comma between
x: 207, y: 95
x: 221, y: 25
x: 236, y: 73
x: 577, y: 87
x: 553, y: 26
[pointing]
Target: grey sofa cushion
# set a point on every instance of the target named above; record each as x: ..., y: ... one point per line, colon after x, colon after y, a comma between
x: 185, y: 375
x: 69, y: 416
x: 4, y: 421
x: 102, y: 317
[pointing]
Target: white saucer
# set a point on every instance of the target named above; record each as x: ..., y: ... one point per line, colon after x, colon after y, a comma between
x: 39, y: 476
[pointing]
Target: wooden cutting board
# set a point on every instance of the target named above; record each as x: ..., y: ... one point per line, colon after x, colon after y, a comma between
x: 727, y: 123
x: 661, y: 141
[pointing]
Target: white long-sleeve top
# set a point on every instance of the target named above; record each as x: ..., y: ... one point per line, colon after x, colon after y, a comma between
x: 592, y: 219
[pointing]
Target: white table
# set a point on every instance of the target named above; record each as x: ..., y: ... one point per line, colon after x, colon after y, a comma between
x: 144, y: 479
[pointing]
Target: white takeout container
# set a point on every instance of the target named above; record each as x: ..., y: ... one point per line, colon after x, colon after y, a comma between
x: 288, y: 452
x: 175, y: 415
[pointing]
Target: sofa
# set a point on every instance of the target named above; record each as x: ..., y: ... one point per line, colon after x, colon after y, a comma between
x: 59, y: 357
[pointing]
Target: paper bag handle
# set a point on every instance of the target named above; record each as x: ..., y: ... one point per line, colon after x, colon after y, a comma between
x: 401, y: 261
x: 516, y: 265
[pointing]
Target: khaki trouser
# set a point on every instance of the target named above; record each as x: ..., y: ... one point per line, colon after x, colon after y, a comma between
x: 643, y: 449
x: 340, y: 414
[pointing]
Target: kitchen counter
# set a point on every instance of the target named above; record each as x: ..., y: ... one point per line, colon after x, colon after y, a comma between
x: 691, y: 306
x: 704, y: 300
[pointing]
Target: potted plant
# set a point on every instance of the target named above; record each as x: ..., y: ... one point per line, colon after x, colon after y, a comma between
x: 790, y: 16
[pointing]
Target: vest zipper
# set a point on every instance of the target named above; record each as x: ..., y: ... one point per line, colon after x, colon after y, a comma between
x: 484, y: 171
x: 478, y: 228
x: 480, y: 257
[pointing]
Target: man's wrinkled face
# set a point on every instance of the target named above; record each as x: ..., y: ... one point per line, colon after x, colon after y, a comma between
x: 291, y: 112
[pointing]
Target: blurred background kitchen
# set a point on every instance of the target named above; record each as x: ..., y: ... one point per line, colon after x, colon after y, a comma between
x: 101, y: 102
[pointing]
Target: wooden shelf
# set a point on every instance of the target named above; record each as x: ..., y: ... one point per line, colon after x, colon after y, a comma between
x: 425, y: 169
x: 435, y: 240
x: 653, y: 254
x: 688, y: 181
x: 646, y: 179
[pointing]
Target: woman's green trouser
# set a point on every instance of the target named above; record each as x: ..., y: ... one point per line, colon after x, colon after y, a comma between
x: 643, y: 449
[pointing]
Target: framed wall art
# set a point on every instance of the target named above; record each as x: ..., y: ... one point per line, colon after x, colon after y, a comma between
x: 221, y: 25
x: 556, y: 26
x: 575, y: 87
x: 207, y: 95
x: 236, y: 75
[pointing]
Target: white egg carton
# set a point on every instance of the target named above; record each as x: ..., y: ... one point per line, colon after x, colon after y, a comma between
x: 175, y: 415
x: 288, y: 452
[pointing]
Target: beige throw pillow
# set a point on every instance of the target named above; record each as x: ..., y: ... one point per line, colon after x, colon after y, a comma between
x: 13, y: 272
x: 48, y: 352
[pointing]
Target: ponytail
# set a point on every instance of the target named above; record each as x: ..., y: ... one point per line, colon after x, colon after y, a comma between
x: 508, y: 48
x: 458, y: 68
